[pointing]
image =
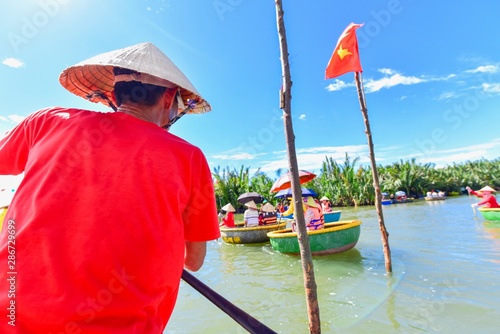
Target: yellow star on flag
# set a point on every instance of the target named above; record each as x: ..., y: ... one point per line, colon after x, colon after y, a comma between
x: 343, y: 52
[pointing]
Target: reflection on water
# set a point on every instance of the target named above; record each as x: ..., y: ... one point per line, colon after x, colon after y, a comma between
x: 445, y: 280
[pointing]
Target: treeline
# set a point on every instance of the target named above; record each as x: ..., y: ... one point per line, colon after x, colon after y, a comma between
x: 347, y: 184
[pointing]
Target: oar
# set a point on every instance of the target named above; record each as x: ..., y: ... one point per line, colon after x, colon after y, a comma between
x: 473, y: 207
x: 248, y: 322
x: 470, y: 198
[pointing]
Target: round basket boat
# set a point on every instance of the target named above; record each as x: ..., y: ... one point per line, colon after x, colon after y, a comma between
x: 491, y: 214
x: 331, y: 217
x: 333, y: 238
x: 434, y: 198
x: 249, y: 235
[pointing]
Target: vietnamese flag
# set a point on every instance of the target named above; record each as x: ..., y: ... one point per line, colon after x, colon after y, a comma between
x: 345, y: 57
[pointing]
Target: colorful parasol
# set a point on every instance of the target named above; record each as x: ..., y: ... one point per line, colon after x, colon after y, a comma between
x: 285, y: 182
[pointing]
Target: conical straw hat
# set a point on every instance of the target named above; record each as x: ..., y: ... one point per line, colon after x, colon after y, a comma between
x: 310, y: 201
x: 487, y: 188
x: 252, y: 205
x: 93, y: 79
x: 268, y: 207
x: 228, y: 208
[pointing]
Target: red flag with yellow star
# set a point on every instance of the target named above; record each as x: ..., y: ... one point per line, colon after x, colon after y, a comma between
x: 345, y: 57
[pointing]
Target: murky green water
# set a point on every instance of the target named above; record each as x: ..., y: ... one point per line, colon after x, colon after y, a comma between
x: 446, y: 265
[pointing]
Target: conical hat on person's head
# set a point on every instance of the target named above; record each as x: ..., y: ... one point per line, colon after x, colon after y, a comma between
x: 228, y: 208
x: 311, y: 202
x: 487, y: 189
x: 268, y: 207
x: 251, y: 205
x: 324, y: 198
x: 93, y: 79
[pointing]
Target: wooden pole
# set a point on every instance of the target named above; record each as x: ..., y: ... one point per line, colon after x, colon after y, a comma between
x: 303, y: 237
x: 376, y: 185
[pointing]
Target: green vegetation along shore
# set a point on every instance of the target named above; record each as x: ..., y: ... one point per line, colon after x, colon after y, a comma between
x: 348, y: 184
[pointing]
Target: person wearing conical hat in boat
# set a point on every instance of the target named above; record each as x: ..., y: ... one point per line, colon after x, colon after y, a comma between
x: 112, y: 207
x: 313, y: 215
x: 486, y: 193
x: 269, y: 215
x: 290, y: 209
x: 251, y: 215
x: 326, y: 206
x: 228, y: 219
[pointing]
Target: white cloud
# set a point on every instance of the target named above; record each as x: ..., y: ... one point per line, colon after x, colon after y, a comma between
x: 333, y: 150
x: 447, y: 96
x: 237, y: 156
x: 312, y: 158
x: 394, y: 79
x: 484, y: 69
x: 13, y: 62
x: 338, y: 85
x: 302, y: 117
x: 12, y: 119
x: 16, y: 118
x: 387, y: 71
x: 491, y: 88
x: 489, y: 150
x: 448, y: 77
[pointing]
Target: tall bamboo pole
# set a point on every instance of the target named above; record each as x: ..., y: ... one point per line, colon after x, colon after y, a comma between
x: 303, y: 237
x: 376, y: 185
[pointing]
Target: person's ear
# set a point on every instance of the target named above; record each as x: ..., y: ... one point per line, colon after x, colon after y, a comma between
x: 169, y: 95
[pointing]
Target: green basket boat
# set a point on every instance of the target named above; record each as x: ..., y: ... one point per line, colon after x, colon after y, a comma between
x: 491, y: 214
x: 249, y: 235
x: 334, y: 238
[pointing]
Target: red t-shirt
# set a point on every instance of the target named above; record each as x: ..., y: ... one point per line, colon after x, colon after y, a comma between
x: 100, y: 221
x: 229, y: 220
x: 488, y: 201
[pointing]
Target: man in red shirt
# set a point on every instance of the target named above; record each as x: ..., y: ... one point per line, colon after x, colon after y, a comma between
x: 112, y: 206
x: 489, y: 200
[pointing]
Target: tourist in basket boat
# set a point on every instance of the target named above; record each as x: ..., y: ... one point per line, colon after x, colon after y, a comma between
x: 326, y: 206
x: 228, y: 219
x: 112, y: 207
x: 486, y: 193
x: 251, y: 215
x: 269, y: 215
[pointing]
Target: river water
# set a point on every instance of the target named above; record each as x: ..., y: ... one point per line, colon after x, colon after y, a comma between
x: 446, y: 273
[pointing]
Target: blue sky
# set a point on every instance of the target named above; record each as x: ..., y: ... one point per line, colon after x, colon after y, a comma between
x: 431, y: 72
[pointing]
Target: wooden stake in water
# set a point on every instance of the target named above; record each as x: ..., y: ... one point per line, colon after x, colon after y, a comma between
x: 376, y: 185
x: 302, y: 236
